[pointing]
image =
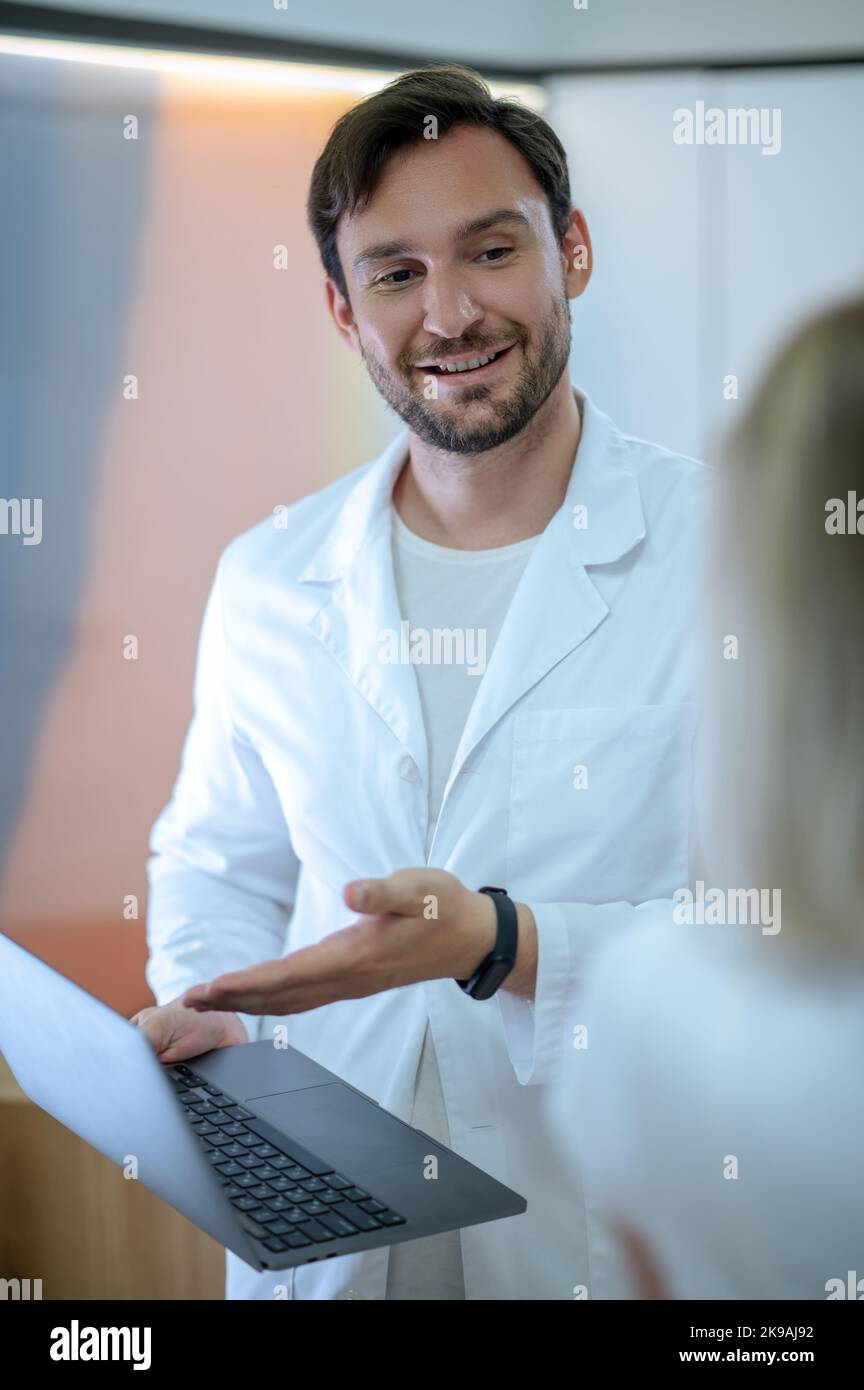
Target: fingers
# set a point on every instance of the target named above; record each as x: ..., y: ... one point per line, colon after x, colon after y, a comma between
x: 355, y: 894
x: 156, y: 1027
x: 249, y: 991
x: 306, y: 979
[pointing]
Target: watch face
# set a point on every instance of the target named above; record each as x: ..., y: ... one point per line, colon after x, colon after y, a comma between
x: 496, y: 971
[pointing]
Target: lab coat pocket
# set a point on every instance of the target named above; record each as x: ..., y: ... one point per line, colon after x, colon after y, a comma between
x: 600, y: 803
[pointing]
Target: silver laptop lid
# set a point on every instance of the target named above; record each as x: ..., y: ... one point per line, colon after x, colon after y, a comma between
x: 98, y: 1075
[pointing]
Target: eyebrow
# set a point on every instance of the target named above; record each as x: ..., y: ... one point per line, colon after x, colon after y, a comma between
x: 383, y: 250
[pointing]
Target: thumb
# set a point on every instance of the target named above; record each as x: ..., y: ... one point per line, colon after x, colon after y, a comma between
x: 400, y: 892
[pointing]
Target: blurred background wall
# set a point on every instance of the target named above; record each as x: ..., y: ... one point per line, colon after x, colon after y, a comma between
x: 706, y: 256
x: 151, y: 259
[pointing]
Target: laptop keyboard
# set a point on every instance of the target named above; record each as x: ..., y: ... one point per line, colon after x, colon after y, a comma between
x: 289, y: 1198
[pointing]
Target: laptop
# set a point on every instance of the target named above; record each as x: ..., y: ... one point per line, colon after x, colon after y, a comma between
x: 276, y: 1157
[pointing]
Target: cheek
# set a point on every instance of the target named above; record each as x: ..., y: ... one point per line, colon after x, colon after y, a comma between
x: 392, y: 330
x: 524, y: 304
x: 538, y: 286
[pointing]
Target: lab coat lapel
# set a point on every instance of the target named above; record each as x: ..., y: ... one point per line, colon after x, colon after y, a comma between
x: 556, y: 605
x: 356, y: 561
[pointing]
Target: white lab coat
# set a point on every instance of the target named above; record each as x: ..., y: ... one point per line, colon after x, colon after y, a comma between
x: 305, y: 765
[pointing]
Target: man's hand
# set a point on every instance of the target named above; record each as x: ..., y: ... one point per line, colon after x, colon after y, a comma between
x: 177, y: 1032
x: 416, y: 924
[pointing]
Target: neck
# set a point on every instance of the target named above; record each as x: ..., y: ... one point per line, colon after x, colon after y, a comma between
x: 481, y: 501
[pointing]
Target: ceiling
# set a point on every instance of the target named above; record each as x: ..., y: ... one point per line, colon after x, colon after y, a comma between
x: 528, y: 36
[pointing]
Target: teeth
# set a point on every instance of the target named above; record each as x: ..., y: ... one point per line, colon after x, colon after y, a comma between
x: 469, y: 365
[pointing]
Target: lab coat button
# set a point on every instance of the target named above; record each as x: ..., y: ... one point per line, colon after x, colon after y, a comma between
x: 408, y: 769
x: 350, y: 1293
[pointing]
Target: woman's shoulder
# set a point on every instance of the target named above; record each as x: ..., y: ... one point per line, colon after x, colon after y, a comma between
x: 714, y: 1056
x: 658, y: 953
x: 714, y: 1015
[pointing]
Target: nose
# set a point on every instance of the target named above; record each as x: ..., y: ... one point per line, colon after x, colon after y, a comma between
x: 447, y: 306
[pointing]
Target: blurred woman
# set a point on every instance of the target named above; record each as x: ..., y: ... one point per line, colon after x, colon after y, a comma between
x: 720, y: 1091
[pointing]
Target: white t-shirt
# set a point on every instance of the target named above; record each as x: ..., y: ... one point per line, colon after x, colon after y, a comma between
x: 721, y: 1110
x: 467, y: 590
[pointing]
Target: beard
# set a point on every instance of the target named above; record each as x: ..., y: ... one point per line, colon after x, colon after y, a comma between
x: 508, y: 411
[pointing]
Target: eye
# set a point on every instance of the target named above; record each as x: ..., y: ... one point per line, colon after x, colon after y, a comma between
x: 383, y: 279
x: 393, y: 284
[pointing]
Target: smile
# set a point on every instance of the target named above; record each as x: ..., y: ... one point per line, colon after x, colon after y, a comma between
x: 482, y: 365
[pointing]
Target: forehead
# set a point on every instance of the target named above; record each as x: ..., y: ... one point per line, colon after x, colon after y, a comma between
x: 429, y: 190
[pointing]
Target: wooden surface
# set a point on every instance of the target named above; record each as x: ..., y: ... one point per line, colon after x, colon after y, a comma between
x: 70, y: 1218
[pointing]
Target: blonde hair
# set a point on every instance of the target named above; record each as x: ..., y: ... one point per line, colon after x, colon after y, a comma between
x: 785, y: 803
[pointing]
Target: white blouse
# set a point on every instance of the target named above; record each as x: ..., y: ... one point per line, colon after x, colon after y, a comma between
x: 721, y: 1109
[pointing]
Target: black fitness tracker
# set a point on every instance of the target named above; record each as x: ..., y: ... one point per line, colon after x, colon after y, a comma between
x: 495, y: 968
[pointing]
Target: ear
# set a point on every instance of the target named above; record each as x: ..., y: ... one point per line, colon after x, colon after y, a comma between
x: 341, y: 313
x: 576, y: 254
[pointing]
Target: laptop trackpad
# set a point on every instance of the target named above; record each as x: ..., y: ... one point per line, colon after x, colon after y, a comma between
x: 341, y: 1126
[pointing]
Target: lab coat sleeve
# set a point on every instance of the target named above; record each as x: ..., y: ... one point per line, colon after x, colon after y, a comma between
x: 570, y: 936
x: 223, y: 872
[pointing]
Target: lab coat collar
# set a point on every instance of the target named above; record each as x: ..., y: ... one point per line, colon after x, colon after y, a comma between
x: 556, y: 605
x: 609, y: 525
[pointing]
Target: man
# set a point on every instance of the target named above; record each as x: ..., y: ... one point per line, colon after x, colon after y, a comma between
x: 462, y: 666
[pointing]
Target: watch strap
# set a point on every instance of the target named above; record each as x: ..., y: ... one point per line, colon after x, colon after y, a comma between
x: 496, y: 966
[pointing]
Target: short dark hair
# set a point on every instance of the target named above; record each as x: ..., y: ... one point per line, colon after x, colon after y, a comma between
x: 347, y: 171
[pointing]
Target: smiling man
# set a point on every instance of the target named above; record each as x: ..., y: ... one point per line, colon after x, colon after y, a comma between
x: 340, y: 817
